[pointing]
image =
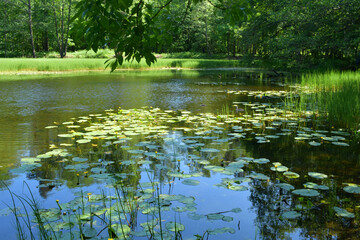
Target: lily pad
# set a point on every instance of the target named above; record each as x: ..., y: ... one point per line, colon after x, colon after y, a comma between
x: 285, y: 186
x: 291, y: 175
x: 221, y: 231
x: 210, y: 150
x: 259, y: 176
x: 279, y: 168
x: 83, y: 141
x: 261, y: 160
x: 343, y: 213
x: 306, y: 192
x: 174, y: 226
x: 317, y: 175
x: 315, y: 144
x: 341, y: 144
x: 77, y: 159
x: 195, y: 216
x: 215, y: 216
x: 352, y: 189
x: 190, y: 182
x: 291, y: 215
x: 315, y: 186
x: 236, y: 210
x: 237, y: 188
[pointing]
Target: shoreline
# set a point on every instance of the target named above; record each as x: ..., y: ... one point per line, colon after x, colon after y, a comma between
x: 35, y: 72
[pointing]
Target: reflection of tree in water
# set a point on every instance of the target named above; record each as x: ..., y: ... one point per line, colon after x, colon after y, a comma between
x: 268, y: 204
x: 303, y: 158
x: 317, y: 220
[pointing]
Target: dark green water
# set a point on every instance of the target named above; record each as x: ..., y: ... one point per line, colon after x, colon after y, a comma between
x: 27, y: 107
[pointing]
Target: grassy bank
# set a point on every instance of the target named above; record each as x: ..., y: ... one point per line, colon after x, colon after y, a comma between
x: 12, y: 65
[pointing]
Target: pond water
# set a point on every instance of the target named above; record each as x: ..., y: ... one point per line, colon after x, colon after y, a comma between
x: 207, y: 170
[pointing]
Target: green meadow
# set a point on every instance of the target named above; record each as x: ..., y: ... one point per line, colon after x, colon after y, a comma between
x: 11, y: 65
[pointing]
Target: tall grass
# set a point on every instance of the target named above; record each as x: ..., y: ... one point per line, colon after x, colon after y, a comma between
x: 101, y: 53
x: 80, y: 64
x: 336, y: 95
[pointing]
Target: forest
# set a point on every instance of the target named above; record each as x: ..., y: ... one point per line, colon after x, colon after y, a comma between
x: 282, y: 33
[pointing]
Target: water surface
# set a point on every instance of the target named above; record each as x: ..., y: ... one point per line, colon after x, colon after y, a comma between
x: 27, y: 107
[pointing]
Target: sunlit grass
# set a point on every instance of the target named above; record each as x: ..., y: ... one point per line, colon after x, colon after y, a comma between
x: 337, y: 94
x: 89, y: 64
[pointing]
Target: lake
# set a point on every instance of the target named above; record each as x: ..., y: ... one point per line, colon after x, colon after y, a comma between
x: 173, y: 155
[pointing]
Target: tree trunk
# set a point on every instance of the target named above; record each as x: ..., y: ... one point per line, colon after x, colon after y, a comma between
x: 206, y: 37
x: 68, y: 28
x: 45, y: 41
x: 57, y: 31
x: 31, y: 29
x: 5, y: 44
x: 62, y: 29
x: 63, y: 37
x: 228, y: 44
x: 234, y: 48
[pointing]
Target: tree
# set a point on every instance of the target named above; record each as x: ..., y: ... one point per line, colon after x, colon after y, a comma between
x: 128, y: 26
x: 295, y: 33
x: 62, y: 24
x: 30, y: 22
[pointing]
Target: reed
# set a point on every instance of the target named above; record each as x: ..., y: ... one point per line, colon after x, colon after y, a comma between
x: 335, y: 95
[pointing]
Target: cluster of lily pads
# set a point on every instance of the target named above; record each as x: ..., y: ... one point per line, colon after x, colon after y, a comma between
x: 221, y: 83
x: 270, y: 94
x: 135, y: 152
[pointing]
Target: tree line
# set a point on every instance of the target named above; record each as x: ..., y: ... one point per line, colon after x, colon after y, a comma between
x: 28, y: 27
x: 283, y: 32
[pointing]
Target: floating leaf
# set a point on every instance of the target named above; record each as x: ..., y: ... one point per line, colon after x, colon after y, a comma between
x: 210, y: 150
x: 291, y: 215
x: 214, y: 168
x: 136, y: 151
x: 341, y: 144
x: 83, y: 141
x: 291, y: 175
x: 261, y: 160
x: 65, y: 135
x: 315, y: 144
x: 279, y: 168
x: 30, y: 160
x: 215, y: 216
x: 195, y: 216
x: 236, y: 210
x: 343, y: 213
x: 285, y: 186
x: 77, y: 159
x: 227, y: 219
x: 221, y: 231
x: 89, y: 232
x: 190, y: 182
x: 306, y: 192
x: 184, y: 209
x: 259, y: 176
x: 174, y: 226
x: 352, y: 189
x: 315, y: 186
x: 317, y: 175
x: 237, y: 188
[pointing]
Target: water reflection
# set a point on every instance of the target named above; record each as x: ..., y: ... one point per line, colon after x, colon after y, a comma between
x: 26, y: 111
x: 26, y: 107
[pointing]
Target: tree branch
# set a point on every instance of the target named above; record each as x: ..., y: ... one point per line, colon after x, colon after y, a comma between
x: 186, y: 11
x: 161, y: 8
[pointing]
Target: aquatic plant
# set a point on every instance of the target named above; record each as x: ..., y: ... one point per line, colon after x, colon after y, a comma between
x: 136, y: 153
